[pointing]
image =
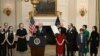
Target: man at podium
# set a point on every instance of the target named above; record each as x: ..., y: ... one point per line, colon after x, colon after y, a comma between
x: 37, y: 41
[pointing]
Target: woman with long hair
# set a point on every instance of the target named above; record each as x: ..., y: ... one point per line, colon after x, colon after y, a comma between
x: 10, y: 41
x: 94, y: 41
x: 75, y: 41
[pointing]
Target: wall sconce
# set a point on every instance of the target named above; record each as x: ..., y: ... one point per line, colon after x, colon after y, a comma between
x: 83, y: 11
x: 34, y: 2
x: 7, y: 11
x: 26, y: 0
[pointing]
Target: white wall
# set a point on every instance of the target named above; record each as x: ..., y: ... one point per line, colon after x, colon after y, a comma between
x: 69, y: 8
x: 90, y: 17
x: 18, y: 12
x: 4, y: 17
x: 79, y: 19
x: 91, y: 13
x: 72, y: 11
x: 61, y: 6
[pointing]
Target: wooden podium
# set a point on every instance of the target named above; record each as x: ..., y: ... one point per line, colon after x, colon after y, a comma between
x: 37, y: 45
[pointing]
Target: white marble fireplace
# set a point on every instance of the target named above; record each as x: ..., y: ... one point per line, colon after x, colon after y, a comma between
x: 46, y: 20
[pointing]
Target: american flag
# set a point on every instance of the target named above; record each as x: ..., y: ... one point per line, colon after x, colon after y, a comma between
x: 57, y: 22
x: 32, y: 25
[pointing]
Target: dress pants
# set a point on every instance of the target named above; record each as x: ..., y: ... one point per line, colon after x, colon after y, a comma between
x: 69, y: 50
x: 3, y: 50
x: 0, y: 50
x: 81, y: 47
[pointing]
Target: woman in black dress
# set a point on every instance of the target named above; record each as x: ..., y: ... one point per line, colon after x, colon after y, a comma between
x: 21, y: 35
x: 75, y: 47
x: 94, y: 41
x: 10, y: 41
x: 2, y: 43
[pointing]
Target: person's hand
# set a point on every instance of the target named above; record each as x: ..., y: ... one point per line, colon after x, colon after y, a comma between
x: 22, y: 37
x: 2, y: 43
x: 78, y: 46
x: 45, y: 36
x: 66, y: 41
x: 97, y: 47
x: 12, y: 43
x: 18, y: 36
x: 60, y: 44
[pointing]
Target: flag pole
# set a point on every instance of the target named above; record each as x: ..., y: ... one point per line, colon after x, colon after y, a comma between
x: 30, y: 14
x: 59, y: 14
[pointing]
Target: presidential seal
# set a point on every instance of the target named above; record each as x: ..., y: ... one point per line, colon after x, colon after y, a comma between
x: 37, y: 41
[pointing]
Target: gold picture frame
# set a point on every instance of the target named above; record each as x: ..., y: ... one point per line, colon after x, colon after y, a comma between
x: 45, y: 8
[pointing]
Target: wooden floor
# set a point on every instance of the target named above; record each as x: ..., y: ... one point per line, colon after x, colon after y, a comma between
x: 49, y: 51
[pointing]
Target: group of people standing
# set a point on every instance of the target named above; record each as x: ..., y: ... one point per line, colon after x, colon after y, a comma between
x: 7, y: 39
x: 75, y: 41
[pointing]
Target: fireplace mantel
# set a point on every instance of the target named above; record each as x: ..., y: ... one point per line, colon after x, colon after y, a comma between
x: 45, y: 20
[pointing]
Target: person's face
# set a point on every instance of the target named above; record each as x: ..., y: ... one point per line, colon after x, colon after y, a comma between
x: 81, y: 32
x: 40, y: 25
x: 59, y: 30
x: 69, y: 26
x: 21, y: 25
x: 1, y: 29
x: 11, y: 29
x: 93, y: 29
x: 6, y: 25
x: 83, y: 27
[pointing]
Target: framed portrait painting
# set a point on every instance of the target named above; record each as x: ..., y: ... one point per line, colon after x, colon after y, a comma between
x: 46, y: 7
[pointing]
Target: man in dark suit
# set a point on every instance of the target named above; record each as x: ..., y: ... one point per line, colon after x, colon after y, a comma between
x: 40, y: 32
x: 69, y: 38
x: 81, y: 42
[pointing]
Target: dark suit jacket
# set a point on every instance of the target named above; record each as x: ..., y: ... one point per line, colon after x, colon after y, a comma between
x: 41, y: 33
x: 79, y: 40
x: 2, y: 37
x: 94, y: 39
x: 70, y: 36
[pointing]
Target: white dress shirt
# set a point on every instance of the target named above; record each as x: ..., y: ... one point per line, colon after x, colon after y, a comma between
x: 81, y: 38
